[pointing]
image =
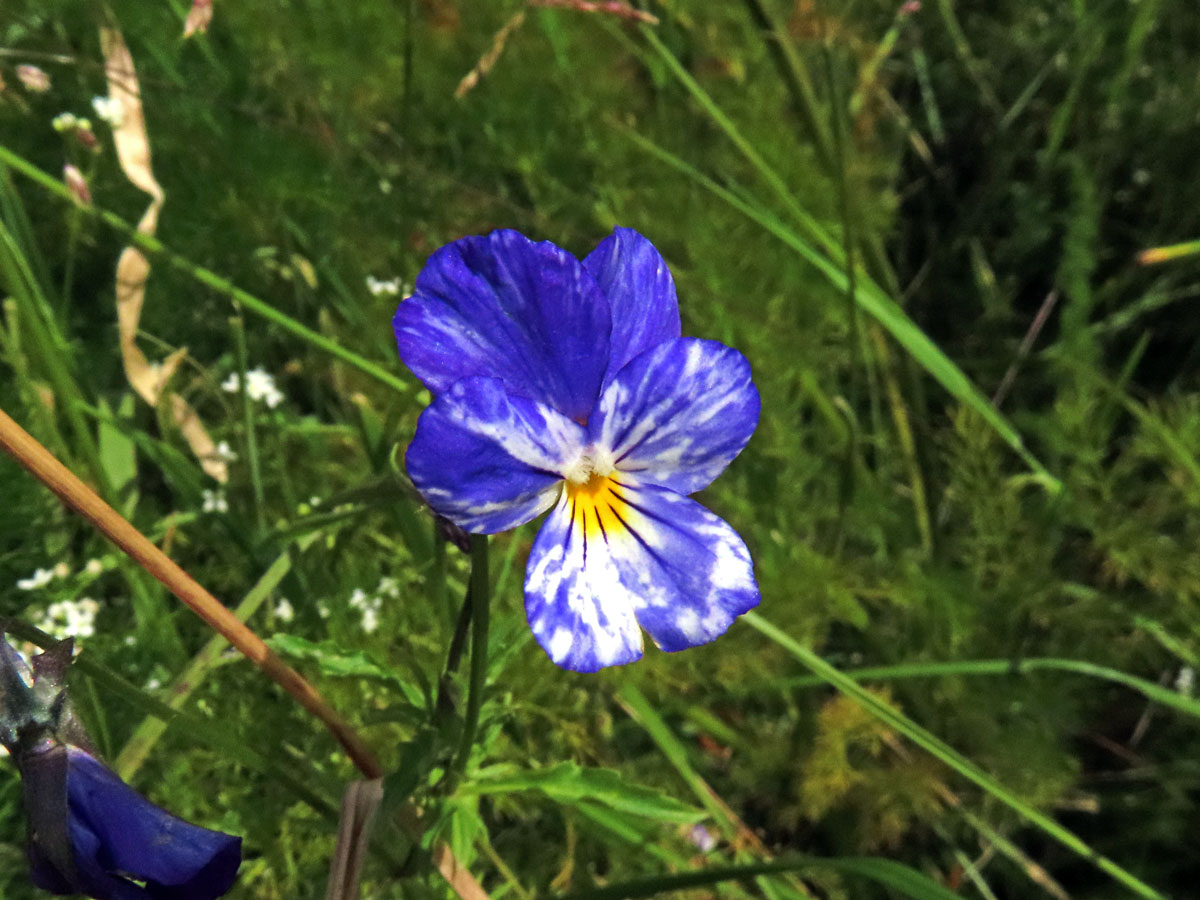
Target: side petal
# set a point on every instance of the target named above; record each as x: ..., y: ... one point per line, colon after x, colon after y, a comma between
x: 693, y: 571
x: 116, y: 829
x: 489, y: 461
x: 641, y: 292
x: 503, y: 306
x: 678, y: 414
x: 580, y: 610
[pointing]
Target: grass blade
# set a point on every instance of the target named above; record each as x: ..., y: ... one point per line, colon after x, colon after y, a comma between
x: 909, y: 882
x: 874, y: 301
x: 945, y: 753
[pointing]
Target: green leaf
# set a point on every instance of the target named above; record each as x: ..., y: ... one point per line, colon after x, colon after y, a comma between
x: 570, y: 784
x: 337, y: 662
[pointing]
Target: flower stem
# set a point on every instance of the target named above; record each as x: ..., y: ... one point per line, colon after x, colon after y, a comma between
x: 480, y: 602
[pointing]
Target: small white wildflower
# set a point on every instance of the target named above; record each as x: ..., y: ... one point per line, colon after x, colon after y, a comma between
x: 153, y: 684
x: 94, y: 567
x: 370, y: 620
x: 388, y: 587
x: 71, y: 618
x: 108, y: 110
x: 38, y: 579
x: 215, y: 502
x: 1185, y: 683
x: 358, y: 599
x: 284, y: 610
x: 322, y: 609
x: 62, y: 570
x: 224, y: 452
x: 380, y: 288
x: 260, y: 385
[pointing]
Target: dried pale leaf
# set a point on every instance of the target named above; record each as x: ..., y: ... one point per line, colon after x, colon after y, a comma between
x: 198, y: 19
x: 607, y: 7
x: 149, y: 380
x: 199, y: 440
x: 492, y: 56
x: 132, y: 142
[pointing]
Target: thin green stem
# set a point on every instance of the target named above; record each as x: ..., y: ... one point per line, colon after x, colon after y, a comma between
x: 480, y: 609
x: 238, y: 325
x: 942, y: 751
x: 1152, y: 691
x: 154, y: 247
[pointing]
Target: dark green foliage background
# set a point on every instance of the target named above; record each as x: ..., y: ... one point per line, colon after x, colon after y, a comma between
x: 1001, y: 152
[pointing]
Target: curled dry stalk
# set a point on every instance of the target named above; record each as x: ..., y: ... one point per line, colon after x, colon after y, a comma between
x: 42, y: 464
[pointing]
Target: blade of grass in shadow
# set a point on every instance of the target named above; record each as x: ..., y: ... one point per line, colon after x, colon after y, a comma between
x: 886, y: 872
x: 249, y: 302
x: 946, y: 754
x: 874, y: 301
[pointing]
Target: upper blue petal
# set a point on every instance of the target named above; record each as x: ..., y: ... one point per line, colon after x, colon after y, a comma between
x: 503, y: 306
x: 678, y: 414
x: 489, y: 461
x: 641, y: 292
x: 116, y: 831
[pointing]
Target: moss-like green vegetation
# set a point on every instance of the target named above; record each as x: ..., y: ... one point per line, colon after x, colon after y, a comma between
x: 987, y: 175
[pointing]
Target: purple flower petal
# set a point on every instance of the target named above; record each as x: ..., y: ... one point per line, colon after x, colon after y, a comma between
x: 678, y: 414
x: 641, y: 292
x: 613, y: 556
x: 503, y: 306
x: 116, y: 831
x: 489, y: 461
x: 92, y: 834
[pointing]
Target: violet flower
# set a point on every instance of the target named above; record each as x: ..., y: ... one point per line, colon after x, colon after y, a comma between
x: 89, y: 832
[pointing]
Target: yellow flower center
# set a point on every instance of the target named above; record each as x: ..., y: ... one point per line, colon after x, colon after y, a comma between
x: 598, y: 506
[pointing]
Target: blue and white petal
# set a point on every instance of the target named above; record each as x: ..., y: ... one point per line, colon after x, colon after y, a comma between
x: 613, y: 556
x: 678, y: 414
x: 640, y: 291
x: 504, y: 306
x: 489, y: 461
x: 689, y: 571
x: 578, y: 606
